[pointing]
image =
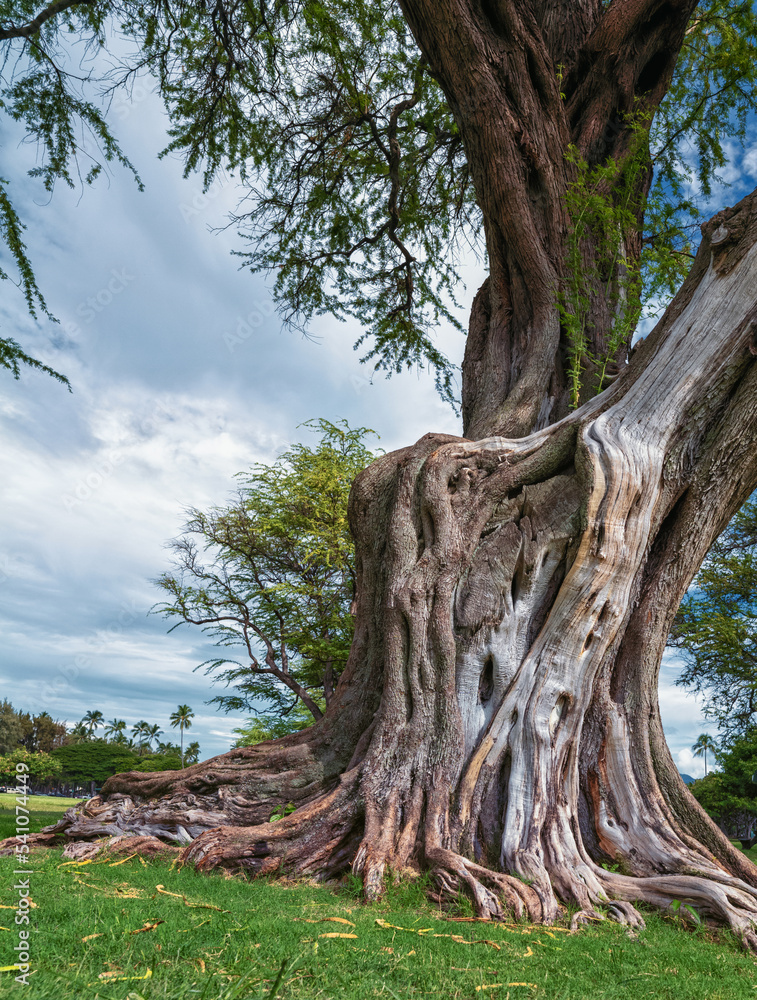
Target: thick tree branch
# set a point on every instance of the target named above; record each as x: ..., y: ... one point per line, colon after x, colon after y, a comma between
x: 630, y: 55
x: 27, y: 30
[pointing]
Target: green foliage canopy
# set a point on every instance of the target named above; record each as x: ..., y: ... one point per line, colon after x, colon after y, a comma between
x: 10, y: 728
x: 40, y: 765
x: 729, y: 795
x: 94, y: 760
x: 715, y: 629
x: 356, y: 188
x: 281, y: 580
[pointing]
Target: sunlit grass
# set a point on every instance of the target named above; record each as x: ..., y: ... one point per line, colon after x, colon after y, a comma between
x: 104, y: 930
x: 99, y: 929
x: 44, y: 810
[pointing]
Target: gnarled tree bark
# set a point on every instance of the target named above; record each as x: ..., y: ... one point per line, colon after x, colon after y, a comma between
x: 498, y: 721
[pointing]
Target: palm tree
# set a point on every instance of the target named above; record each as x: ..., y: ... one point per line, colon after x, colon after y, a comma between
x: 154, y: 732
x: 193, y: 752
x: 92, y: 720
x: 704, y: 743
x: 142, y: 732
x: 182, y: 718
x: 114, y: 729
x: 78, y: 733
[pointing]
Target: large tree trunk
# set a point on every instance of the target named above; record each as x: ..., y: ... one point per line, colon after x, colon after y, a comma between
x: 498, y: 721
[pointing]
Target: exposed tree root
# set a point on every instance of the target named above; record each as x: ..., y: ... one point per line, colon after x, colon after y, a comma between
x: 727, y: 901
x: 319, y: 839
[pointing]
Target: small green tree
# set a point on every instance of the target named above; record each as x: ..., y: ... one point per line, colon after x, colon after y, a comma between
x: 270, y: 725
x: 704, y: 743
x: 182, y: 718
x: 77, y: 733
x: 41, y: 732
x: 114, y: 729
x: 11, y: 730
x: 40, y: 765
x: 716, y: 627
x: 729, y: 795
x: 280, y: 583
x: 92, y: 721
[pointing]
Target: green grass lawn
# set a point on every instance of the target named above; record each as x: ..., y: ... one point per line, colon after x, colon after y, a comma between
x: 44, y: 810
x: 751, y: 853
x: 103, y: 930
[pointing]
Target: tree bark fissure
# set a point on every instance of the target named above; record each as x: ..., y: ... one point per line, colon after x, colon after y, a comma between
x: 521, y: 92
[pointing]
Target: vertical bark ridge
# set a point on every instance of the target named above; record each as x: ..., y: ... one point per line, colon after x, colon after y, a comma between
x: 524, y: 81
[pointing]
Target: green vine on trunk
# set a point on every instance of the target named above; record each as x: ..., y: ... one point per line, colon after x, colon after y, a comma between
x: 603, y: 208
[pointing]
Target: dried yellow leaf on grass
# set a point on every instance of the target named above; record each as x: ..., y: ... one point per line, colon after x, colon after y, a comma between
x: 494, y: 986
x: 201, y: 963
x: 148, y: 927
x: 90, y: 937
x: 528, y: 952
x: 336, y: 934
x: 207, y: 906
x: 9, y: 968
x: 410, y: 930
x: 115, y: 864
x: 323, y: 920
x: 116, y: 977
x: 426, y: 930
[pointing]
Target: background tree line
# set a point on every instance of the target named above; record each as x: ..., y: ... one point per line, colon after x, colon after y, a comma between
x: 715, y: 634
x: 62, y: 757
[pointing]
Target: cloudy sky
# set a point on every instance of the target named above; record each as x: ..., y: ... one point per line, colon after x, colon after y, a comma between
x: 166, y: 408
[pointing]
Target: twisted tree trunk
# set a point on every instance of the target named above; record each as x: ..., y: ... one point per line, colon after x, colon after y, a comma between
x: 498, y: 718
x: 498, y: 721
